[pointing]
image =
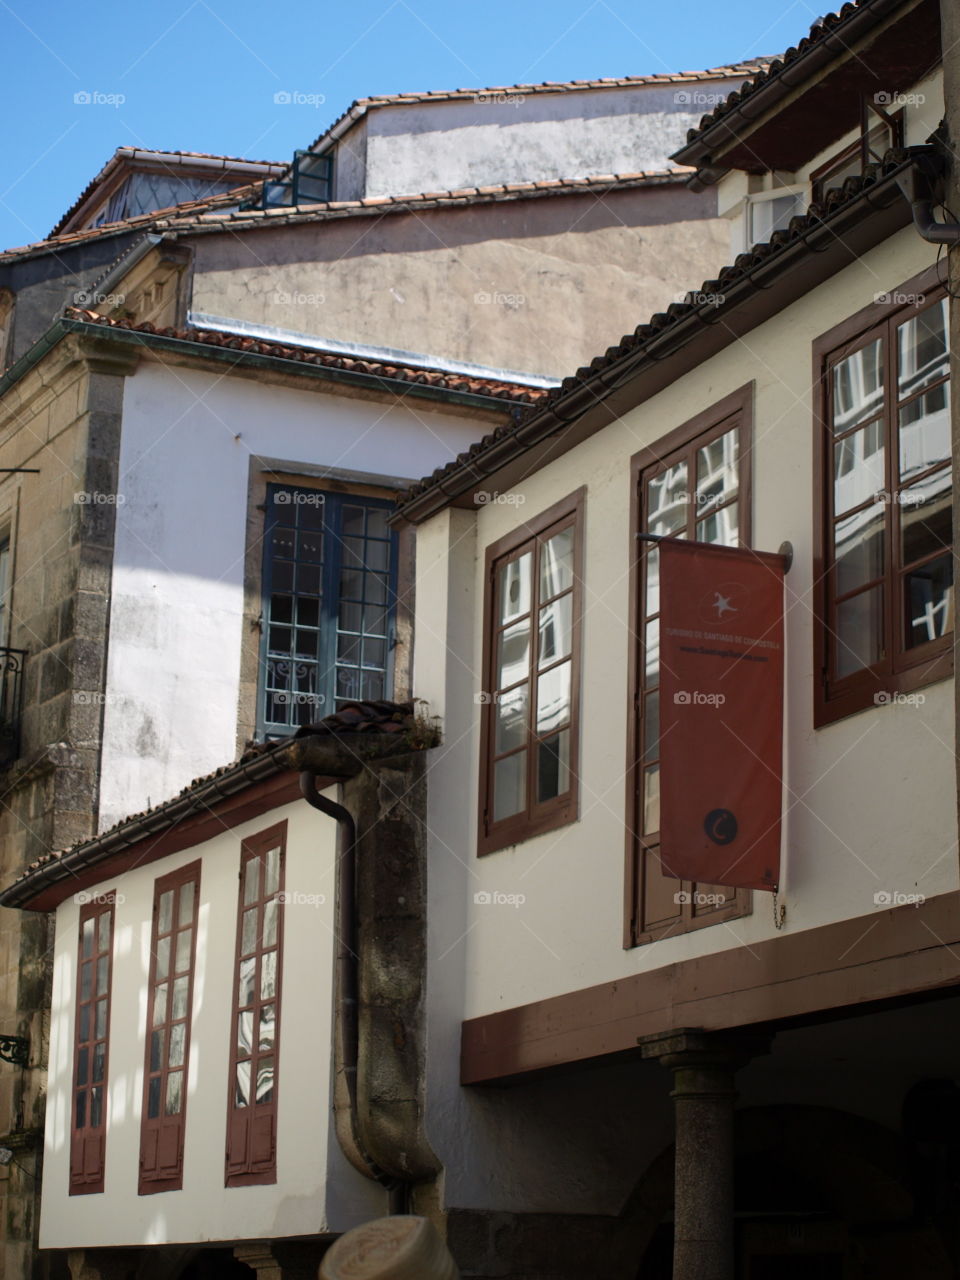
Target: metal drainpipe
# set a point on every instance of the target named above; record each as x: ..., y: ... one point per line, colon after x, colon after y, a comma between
x: 347, y: 1021
x: 916, y: 185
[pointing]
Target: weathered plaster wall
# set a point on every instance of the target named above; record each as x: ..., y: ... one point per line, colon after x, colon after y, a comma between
x: 540, y: 285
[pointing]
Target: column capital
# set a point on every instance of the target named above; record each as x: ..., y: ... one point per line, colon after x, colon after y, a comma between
x: 690, y: 1047
x: 258, y: 1256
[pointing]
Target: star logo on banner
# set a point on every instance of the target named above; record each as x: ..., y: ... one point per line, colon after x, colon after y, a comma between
x: 722, y: 604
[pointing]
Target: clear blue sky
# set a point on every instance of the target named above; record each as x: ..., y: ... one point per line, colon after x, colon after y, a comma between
x: 201, y: 75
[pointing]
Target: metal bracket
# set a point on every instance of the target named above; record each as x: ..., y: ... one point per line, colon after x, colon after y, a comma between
x: 15, y: 1049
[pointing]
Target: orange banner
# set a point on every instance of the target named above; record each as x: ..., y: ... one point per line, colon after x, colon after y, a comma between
x: 721, y: 714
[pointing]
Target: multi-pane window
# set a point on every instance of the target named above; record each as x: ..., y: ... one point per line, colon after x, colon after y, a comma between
x: 252, y: 1111
x: 697, y: 487
x: 173, y: 952
x: 529, y: 746
x: 887, y: 586
x: 329, y: 585
x: 89, y: 1101
x: 880, y: 129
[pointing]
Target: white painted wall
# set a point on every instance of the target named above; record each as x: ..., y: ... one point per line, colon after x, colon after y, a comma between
x: 515, y: 137
x: 870, y: 802
x: 173, y: 666
x: 316, y: 1189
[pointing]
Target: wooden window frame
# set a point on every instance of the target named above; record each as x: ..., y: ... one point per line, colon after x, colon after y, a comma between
x: 256, y: 1172
x: 898, y: 672
x: 560, y: 811
x: 151, y: 1183
x: 99, y: 905
x: 684, y: 440
x: 820, y: 175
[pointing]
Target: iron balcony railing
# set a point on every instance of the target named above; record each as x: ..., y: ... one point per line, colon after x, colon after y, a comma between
x: 11, y: 702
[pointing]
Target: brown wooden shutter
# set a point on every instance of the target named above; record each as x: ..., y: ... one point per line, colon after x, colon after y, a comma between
x: 173, y: 952
x: 251, y: 1151
x: 88, y: 1099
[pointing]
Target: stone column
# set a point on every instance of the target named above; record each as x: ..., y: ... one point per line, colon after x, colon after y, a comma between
x: 703, y: 1066
x: 258, y: 1256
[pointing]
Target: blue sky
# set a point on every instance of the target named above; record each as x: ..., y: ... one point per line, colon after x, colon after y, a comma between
x: 201, y: 75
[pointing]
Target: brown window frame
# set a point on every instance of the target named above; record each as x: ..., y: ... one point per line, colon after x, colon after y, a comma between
x: 90, y: 1140
x: 901, y: 670
x: 641, y: 854
x: 560, y: 811
x: 157, y: 1174
x: 820, y: 182
x: 244, y: 1170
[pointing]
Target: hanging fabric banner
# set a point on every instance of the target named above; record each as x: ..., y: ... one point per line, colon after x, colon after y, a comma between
x: 721, y: 714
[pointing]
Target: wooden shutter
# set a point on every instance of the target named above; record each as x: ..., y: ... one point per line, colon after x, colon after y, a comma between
x: 173, y: 949
x: 251, y: 1155
x: 88, y: 1099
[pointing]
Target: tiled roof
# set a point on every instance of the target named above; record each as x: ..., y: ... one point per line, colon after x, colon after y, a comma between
x: 260, y: 761
x: 631, y: 344
x: 774, y: 68
x: 444, y: 380
x: 361, y: 106
x: 140, y: 155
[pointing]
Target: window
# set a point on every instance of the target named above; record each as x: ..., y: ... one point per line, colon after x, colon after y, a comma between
x: 885, y: 561
x: 695, y: 483
x: 255, y: 1025
x: 94, y: 974
x: 173, y: 950
x: 770, y: 211
x: 879, y: 131
x: 329, y: 586
x: 529, y: 726
x: 4, y: 590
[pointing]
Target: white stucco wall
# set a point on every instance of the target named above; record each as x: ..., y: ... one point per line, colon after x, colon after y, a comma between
x: 316, y: 1190
x: 870, y: 801
x: 503, y: 136
x: 173, y: 666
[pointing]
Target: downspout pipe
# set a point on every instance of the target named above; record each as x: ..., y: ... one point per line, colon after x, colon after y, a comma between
x: 918, y: 183
x: 346, y: 1014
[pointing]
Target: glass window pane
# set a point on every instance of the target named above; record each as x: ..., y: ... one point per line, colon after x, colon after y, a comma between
x: 265, y: 1076
x: 377, y: 526
x: 513, y: 659
x: 926, y: 517
x: 103, y: 932
x: 82, y: 1109
x: 281, y: 608
x: 184, y: 944
x: 87, y: 949
x: 308, y: 612
x: 248, y: 940
x: 553, y: 698
x: 859, y: 468
x: 159, y: 1004
x: 553, y: 766
x: 102, y: 969
x: 96, y: 1106
x: 251, y: 880
x: 163, y: 958
x: 722, y: 527
x: 717, y: 471
x: 372, y: 685
x: 271, y: 873
x: 187, y: 892
x: 374, y: 653
x: 651, y: 799
x: 353, y: 521
x: 99, y: 1061
x: 556, y: 629
x: 100, y: 1021
x: 651, y: 653
x: 174, y: 1099
x: 928, y: 601
x: 241, y: 1093
x: 86, y: 980
x: 925, y: 432
x: 270, y: 923
x: 245, y: 1033
x: 651, y: 726
x: 267, y: 1024
x: 153, y: 1097
x: 180, y: 989
x: 859, y: 638
x: 509, y: 786
x: 556, y: 563
x: 652, y: 560
x: 84, y: 1032
x: 858, y: 548
x: 667, y: 500
x: 512, y: 711
x: 178, y: 1040
x: 858, y: 387
x: 165, y: 912
x: 923, y: 351
x: 513, y: 590
x: 156, y: 1050
x: 83, y: 1065
x: 268, y: 975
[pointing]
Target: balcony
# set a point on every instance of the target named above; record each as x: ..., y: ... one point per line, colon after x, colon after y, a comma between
x: 11, y: 703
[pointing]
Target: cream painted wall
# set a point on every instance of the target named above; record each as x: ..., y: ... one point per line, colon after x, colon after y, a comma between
x: 316, y: 1190
x: 173, y: 665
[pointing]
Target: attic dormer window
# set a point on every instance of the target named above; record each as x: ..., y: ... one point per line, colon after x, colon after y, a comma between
x: 880, y: 129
